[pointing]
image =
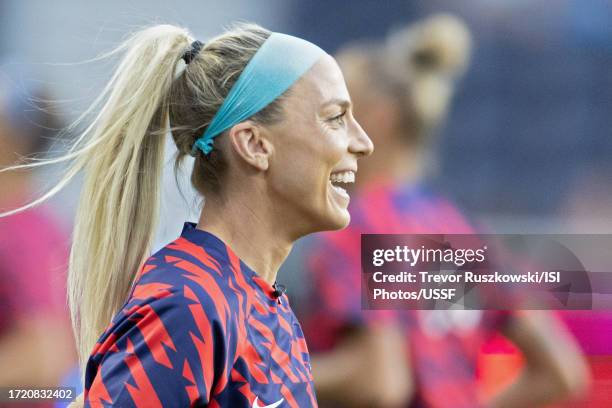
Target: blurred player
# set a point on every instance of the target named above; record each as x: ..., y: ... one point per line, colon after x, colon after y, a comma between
x: 35, y: 338
x: 401, y: 90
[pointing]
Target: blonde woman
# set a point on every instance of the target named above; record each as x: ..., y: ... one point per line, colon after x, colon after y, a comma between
x: 201, y: 322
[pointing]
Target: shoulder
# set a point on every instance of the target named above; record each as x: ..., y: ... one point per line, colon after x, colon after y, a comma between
x: 168, y: 321
x: 176, y: 320
x: 185, y: 276
x: 178, y: 285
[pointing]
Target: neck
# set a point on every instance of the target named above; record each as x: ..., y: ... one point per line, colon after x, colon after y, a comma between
x: 250, y: 231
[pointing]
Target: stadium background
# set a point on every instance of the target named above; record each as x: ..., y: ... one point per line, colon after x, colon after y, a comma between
x: 526, y: 147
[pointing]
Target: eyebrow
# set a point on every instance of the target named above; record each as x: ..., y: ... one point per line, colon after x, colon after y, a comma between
x: 344, y: 103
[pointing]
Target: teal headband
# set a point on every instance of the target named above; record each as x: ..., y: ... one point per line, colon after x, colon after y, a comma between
x: 278, y: 64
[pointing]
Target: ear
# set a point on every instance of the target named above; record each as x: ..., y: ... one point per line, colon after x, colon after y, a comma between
x: 250, y: 144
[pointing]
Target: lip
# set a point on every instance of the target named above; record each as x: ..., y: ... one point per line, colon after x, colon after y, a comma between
x: 343, y: 194
x: 342, y: 170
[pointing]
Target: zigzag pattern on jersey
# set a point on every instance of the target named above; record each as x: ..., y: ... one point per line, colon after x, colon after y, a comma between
x: 200, y: 328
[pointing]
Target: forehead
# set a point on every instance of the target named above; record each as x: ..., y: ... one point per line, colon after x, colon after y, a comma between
x: 323, y: 82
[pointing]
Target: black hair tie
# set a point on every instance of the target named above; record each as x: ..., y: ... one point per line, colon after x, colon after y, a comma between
x: 191, y: 53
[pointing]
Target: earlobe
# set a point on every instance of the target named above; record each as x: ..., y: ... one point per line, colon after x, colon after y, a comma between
x: 250, y: 144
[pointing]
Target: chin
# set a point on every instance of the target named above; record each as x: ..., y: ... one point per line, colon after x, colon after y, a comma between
x: 338, y: 220
x: 331, y: 216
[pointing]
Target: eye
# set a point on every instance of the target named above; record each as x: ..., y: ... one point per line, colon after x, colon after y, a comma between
x: 339, y: 119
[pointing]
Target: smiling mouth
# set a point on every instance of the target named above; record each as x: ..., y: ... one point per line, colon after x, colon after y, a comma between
x: 340, y: 179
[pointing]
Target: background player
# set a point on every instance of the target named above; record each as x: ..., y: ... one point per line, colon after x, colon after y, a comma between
x: 33, y: 258
x: 401, y: 90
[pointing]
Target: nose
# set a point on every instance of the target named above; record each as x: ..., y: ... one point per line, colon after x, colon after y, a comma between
x: 360, y: 142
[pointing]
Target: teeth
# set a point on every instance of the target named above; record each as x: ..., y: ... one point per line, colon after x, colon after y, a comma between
x: 343, y: 177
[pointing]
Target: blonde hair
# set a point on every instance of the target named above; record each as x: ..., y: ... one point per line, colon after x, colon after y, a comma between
x: 121, y: 152
x: 417, y: 65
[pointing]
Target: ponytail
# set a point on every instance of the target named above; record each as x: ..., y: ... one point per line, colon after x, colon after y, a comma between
x: 426, y: 59
x: 119, y: 203
x: 122, y: 155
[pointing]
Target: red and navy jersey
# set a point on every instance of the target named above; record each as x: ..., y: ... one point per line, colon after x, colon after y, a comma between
x: 200, y: 328
x: 444, y: 345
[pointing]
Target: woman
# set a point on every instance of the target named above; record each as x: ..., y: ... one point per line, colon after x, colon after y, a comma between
x: 417, y: 358
x: 35, y: 336
x: 201, y: 322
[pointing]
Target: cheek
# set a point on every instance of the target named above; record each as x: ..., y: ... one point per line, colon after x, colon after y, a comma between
x: 332, y: 146
x: 293, y: 173
x: 316, y: 147
x: 305, y: 159
x: 301, y: 185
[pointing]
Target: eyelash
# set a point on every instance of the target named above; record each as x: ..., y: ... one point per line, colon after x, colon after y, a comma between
x: 338, y: 119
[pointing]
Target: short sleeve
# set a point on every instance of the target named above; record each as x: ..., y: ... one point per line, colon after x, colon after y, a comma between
x: 161, y: 352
